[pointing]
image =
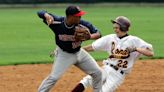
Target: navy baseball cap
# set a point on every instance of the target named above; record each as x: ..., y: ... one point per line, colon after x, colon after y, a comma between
x: 74, y: 10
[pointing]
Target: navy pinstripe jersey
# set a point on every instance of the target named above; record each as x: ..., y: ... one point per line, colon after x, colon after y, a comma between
x: 64, y: 35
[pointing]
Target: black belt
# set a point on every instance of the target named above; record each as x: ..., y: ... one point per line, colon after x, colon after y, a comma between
x: 116, y: 68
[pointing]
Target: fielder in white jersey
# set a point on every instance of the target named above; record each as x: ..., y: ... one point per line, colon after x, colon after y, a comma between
x: 123, y: 51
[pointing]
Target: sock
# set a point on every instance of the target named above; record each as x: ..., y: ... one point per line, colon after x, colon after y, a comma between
x: 78, y: 88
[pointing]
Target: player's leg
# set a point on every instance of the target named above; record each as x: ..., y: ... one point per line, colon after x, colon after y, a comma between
x: 113, y: 80
x: 84, y: 83
x: 89, y: 66
x: 78, y: 88
x: 87, y: 82
x: 62, y: 63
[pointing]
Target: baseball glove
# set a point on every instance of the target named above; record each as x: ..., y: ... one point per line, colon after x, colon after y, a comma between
x: 81, y: 33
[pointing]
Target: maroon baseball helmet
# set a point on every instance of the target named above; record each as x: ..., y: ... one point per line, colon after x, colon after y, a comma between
x: 124, y: 22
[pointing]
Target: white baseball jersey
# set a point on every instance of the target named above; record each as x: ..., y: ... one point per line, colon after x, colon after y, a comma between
x: 114, y: 45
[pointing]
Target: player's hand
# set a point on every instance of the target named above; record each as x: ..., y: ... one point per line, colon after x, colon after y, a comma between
x: 49, y: 18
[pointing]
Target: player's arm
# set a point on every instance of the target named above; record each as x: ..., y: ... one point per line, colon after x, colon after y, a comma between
x: 47, y: 18
x: 142, y: 47
x: 145, y: 51
x: 95, y: 36
x: 98, y: 45
x: 88, y: 48
x: 95, y: 33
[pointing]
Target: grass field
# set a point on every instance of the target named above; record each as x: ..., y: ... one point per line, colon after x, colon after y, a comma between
x: 25, y: 39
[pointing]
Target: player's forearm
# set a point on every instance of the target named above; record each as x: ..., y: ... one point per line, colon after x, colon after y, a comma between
x: 95, y: 36
x: 146, y: 52
x: 88, y: 48
x: 47, y: 18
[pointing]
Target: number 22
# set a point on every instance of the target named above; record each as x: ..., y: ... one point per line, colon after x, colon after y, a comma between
x: 122, y: 64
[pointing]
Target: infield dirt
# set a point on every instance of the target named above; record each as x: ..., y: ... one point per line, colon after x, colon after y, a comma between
x: 146, y: 76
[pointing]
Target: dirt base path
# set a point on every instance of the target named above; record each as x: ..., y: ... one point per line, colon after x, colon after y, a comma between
x: 146, y: 76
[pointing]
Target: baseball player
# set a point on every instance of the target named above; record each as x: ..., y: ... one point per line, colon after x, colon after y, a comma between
x: 69, y: 50
x: 123, y: 49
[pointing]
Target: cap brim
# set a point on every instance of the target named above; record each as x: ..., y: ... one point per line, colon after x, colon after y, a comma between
x: 80, y: 13
x: 113, y: 21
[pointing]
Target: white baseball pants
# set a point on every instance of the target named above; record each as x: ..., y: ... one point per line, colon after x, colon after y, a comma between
x: 111, y: 79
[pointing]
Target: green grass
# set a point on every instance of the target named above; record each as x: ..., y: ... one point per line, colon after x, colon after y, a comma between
x: 25, y: 39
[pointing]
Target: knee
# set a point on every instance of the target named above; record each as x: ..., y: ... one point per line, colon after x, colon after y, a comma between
x: 97, y: 74
x: 53, y: 78
x: 47, y: 83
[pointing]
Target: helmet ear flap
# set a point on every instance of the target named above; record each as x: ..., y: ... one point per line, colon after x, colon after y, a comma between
x: 123, y: 28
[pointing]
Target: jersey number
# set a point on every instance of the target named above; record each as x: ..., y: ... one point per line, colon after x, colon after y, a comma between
x: 122, y: 64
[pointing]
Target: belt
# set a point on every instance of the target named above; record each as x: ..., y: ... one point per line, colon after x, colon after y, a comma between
x: 116, y: 68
